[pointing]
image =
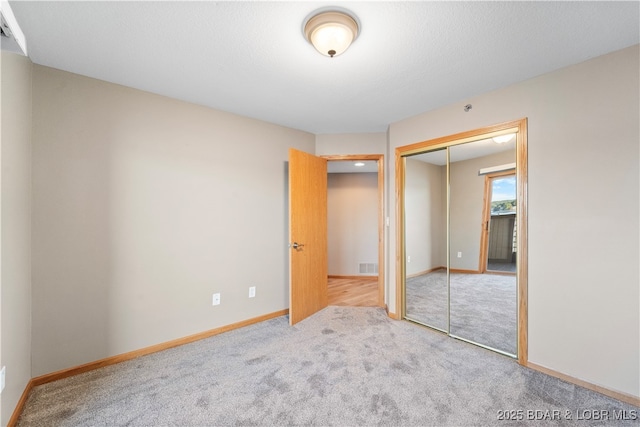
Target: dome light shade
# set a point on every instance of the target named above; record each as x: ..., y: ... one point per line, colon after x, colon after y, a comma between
x: 503, y: 138
x: 331, y: 32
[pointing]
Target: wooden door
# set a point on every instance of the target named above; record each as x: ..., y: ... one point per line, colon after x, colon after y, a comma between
x: 307, y: 235
x: 489, y: 224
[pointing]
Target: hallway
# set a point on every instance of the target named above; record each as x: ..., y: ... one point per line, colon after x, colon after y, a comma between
x: 354, y: 292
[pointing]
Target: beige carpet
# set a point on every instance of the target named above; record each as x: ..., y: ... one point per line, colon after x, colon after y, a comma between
x: 346, y: 366
x: 483, y: 306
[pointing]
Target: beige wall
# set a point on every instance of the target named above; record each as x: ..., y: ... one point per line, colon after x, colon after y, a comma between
x: 584, y: 297
x: 425, y: 201
x: 143, y: 207
x: 15, y: 284
x: 425, y: 211
x: 467, y: 199
x: 352, y: 221
x: 351, y: 143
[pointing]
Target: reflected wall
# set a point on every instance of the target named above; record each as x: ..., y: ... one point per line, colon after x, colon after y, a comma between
x: 425, y: 198
x: 483, y: 306
x: 446, y: 206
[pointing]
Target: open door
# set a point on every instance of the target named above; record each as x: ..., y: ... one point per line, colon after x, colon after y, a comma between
x: 307, y: 235
x: 498, y: 242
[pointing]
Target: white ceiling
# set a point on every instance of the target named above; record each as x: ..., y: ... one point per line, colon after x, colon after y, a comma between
x: 250, y: 58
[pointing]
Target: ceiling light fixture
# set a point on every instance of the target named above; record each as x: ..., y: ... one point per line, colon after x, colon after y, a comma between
x: 331, y: 32
x: 358, y: 164
x: 503, y: 138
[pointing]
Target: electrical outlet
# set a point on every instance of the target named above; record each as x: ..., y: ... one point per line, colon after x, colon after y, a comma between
x: 252, y: 292
x: 2, y: 372
x: 408, y: 258
x: 459, y: 254
x: 216, y: 299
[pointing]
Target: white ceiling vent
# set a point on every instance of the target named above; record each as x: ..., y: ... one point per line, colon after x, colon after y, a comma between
x: 11, y: 38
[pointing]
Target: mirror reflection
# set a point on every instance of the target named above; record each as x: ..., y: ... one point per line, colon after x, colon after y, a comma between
x: 461, y: 273
x: 425, y: 197
x: 482, y: 217
x: 501, y: 242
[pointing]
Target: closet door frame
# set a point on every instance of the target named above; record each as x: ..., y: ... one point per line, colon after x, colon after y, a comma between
x: 519, y: 127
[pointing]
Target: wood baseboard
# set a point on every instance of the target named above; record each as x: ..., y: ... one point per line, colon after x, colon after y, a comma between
x: 459, y: 270
x: 420, y: 273
x: 393, y: 316
x: 363, y: 276
x: 69, y: 372
x: 623, y: 397
x: 500, y: 273
x: 18, y: 409
x: 65, y: 373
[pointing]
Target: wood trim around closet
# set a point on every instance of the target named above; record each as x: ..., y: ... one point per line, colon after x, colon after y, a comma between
x: 520, y: 128
x: 523, y: 242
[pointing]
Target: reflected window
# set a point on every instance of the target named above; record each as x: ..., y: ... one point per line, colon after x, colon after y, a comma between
x: 503, y: 196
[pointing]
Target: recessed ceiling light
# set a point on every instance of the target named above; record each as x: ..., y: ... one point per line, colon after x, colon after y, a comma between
x: 503, y: 138
x: 358, y: 164
x: 331, y: 32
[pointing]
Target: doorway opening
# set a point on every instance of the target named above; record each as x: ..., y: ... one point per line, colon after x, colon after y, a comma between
x: 308, y: 234
x: 355, y: 230
x: 499, y: 219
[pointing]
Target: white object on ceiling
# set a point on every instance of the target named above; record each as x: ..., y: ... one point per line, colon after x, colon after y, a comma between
x: 251, y: 58
x: 348, y: 166
x: 331, y: 32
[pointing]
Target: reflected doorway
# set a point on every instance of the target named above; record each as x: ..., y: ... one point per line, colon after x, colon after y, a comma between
x: 499, y: 219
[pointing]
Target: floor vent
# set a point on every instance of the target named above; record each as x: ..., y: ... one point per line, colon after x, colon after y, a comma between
x: 368, y: 268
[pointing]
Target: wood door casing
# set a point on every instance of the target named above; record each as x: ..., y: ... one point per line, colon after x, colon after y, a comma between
x: 486, y: 217
x: 379, y: 158
x: 519, y: 127
x: 307, y: 227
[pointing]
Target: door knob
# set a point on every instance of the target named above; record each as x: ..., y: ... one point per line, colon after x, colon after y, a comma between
x: 297, y: 246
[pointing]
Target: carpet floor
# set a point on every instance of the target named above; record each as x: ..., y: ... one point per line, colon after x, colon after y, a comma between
x: 483, y: 306
x: 501, y: 266
x: 347, y: 366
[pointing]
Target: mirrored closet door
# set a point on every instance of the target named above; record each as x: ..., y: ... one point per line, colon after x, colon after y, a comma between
x: 425, y: 200
x: 460, y: 222
x: 483, y: 303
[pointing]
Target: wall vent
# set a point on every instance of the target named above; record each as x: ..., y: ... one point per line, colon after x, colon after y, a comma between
x: 368, y: 268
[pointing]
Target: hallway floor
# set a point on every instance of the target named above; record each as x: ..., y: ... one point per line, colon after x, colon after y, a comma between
x: 354, y: 292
